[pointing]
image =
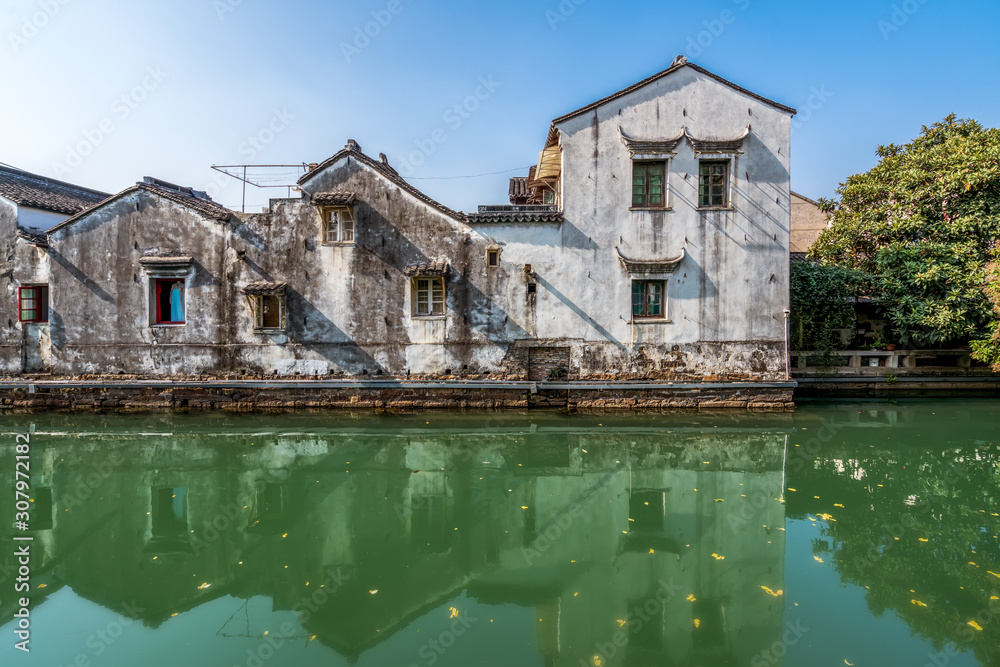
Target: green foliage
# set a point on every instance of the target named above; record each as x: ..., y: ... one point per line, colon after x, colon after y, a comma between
x: 822, y: 301
x: 988, y: 349
x: 923, y: 222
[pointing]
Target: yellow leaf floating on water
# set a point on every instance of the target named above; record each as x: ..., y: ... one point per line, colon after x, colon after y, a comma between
x: 621, y: 622
x: 203, y: 587
x: 993, y: 597
x: 454, y: 612
x: 373, y: 591
x: 918, y: 603
x: 597, y: 661
x: 651, y: 551
x: 922, y: 539
x: 975, y: 625
x: 524, y: 507
x: 841, y: 507
x: 812, y: 519
x: 817, y: 559
x: 994, y: 574
x: 848, y: 663
x: 691, y: 598
x: 718, y: 557
x: 791, y: 489
x: 772, y: 593
x: 697, y: 623
x: 719, y: 500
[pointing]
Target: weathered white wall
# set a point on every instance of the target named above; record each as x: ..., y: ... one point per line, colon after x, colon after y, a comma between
x: 731, y: 289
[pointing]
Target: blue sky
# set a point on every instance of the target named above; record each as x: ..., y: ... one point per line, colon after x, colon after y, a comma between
x: 104, y: 93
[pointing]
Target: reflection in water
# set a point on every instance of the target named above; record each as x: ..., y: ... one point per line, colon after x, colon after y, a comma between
x: 634, y: 545
x: 913, y: 520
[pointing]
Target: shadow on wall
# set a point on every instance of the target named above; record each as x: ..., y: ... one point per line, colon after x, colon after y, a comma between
x: 580, y: 312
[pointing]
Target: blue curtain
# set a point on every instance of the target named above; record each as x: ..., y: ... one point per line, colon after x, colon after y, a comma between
x: 177, y: 302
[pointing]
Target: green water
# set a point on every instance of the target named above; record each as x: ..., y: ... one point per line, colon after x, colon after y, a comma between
x: 844, y: 534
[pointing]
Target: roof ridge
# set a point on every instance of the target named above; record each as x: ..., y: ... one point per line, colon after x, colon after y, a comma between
x: 385, y: 170
x: 53, y: 181
x: 679, y: 63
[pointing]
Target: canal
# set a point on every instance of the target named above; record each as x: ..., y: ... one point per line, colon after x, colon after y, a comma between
x: 857, y: 534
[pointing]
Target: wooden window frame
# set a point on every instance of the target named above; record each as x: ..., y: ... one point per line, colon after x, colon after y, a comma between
x: 645, y: 303
x: 643, y: 167
x: 335, y: 231
x: 706, y: 198
x: 257, y: 303
x: 434, y: 307
x: 41, y: 304
x: 158, y: 284
x: 493, y: 257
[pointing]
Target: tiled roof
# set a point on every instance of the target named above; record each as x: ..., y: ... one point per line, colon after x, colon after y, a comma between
x: 32, y: 237
x: 183, y: 196
x: 515, y: 216
x: 334, y: 198
x: 354, y: 151
x: 264, y: 288
x: 435, y: 268
x: 27, y: 189
x: 519, y: 188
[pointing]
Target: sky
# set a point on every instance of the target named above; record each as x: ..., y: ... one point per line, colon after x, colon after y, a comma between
x: 104, y: 92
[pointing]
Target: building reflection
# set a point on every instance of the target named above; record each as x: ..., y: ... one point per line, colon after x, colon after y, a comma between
x: 645, y: 546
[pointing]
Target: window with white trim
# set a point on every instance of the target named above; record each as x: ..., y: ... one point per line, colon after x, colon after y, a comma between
x: 338, y: 224
x: 428, y: 296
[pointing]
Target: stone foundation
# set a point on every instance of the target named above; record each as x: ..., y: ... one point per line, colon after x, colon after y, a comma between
x: 620, y: 398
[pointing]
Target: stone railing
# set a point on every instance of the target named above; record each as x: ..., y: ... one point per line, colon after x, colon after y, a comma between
x: 871, y: 361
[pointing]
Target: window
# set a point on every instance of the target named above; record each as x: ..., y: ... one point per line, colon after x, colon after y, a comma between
x: 648, y: 184
x: 429, y: 293
x: 168, y: 294
x: 34, y: 303
x: 169, y: 511
x: 647, y: 510
x: 338, y: 225
x: 492, y: 257
x: 647, y: 299
x: 269, y: 311
x: 549, y: 196
x: 713, y: 183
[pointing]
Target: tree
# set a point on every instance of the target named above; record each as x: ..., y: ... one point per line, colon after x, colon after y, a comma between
x: 822, y: 298
x: 923, y: 222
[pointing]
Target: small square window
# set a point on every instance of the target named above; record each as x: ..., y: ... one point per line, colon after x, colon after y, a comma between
x: 492, y: 257
x: 168, y: 294
x: 269, y: 311
x: 428, y: 297
x: 169, y: 511
x: 532, y: 288
x: 649, y: 184
x: 647, y: 299
x: 713, y: 183
x: 338, y: 225
x: 34, y: 303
